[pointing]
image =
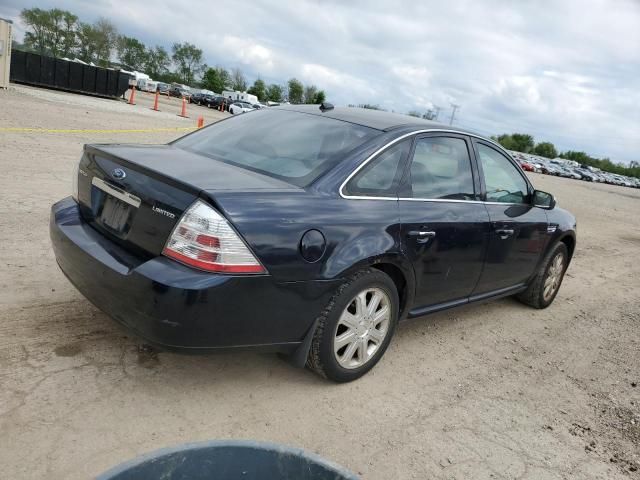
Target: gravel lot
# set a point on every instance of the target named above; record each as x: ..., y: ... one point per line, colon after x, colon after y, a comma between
x: 488, y: 391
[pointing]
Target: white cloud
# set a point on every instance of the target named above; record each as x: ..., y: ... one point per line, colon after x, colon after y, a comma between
x: 564, y: 71
x: 248, y: 52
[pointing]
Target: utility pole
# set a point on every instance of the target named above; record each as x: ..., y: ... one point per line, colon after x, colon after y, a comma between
x: 437, y: 109
x: 453, y: 112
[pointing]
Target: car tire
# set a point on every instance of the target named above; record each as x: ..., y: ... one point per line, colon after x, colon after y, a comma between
x: 355, y: 328
x: 544, y: 286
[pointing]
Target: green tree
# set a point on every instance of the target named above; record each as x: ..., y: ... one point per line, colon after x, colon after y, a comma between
x: 296, y: 91
x: 520, y: 142
x: 96, y: 42
x: 275, y: 93
x: 320, y: 97
x: 86, y: 49
x: 157, y: 62
x: 188, y: 59
x: 310, y: 92
x: 63, y: 34
x: 106, y: 37
x: 414, y: 113
x: 259, y: 89
x: 132, y: 52
x: 216, y: 79
x: 238, y: 81
x: 51, y: 32
x: 38, y: 23
x: 546, y: 149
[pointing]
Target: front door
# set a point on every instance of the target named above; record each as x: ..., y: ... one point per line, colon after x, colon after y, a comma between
x: 518, y: 232
x: 444, y: 225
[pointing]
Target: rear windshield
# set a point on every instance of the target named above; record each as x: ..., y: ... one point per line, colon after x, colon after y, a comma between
x: 292, y: 146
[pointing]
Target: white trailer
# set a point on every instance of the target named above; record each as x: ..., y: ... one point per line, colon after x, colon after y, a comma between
x: 150, y: 86
x: 237, y: 95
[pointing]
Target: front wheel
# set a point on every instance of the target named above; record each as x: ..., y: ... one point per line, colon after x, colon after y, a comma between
x: 355, y: 329
x: 545, y: 285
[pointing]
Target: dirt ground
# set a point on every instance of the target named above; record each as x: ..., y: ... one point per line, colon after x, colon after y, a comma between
x: 497, y: 390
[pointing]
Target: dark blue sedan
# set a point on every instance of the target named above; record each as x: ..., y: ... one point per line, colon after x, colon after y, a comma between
x: 304, y: 230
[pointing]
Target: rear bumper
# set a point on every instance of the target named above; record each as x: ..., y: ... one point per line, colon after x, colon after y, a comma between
x: 176, y: 307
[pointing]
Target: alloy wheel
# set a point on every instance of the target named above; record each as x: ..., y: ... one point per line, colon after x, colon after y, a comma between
x: 554, y: 276
x: 362, y: 328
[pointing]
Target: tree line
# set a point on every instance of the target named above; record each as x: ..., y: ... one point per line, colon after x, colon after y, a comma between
x: 61, y: 34
x: 522, y: 142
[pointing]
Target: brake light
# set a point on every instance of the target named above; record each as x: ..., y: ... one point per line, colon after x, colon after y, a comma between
x: 204, y: 239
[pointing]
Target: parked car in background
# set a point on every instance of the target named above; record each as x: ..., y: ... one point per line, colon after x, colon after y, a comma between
x: 163, y: 88
x: 240, y: 107
x: 180, y: 92
x: 586, y: 174
x: 571, y: 173
x: 552, y: 169
x: 310, y: 231
x: 194, y: 92
x: 526, y: 166
x: 201, y: 97
x: 218, y: 100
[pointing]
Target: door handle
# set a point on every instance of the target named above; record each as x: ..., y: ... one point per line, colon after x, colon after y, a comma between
x: 504, y: 233
x: 423, y: 235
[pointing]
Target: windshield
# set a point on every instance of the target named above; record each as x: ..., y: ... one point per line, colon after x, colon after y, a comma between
x: 292, y: 146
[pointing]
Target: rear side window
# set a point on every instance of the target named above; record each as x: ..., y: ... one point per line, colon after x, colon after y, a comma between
x: 292, y: 146
x: 441, y: 169
x: 503, y: 181
x: 381, y: 176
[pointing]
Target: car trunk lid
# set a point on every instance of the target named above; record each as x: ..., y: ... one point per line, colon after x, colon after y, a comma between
x: 135, y: 194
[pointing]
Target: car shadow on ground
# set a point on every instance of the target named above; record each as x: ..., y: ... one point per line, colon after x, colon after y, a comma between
x: 92, y: 338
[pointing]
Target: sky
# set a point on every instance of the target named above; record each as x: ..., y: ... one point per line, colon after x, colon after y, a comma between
x: 565, y: 71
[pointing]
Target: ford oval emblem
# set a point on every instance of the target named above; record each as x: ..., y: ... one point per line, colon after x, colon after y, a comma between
x: 118, y: 174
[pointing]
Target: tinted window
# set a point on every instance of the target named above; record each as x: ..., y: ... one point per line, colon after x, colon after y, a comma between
x: 295, y: 147
x: 503, y: 181
x: 441, y: 169
x: 381, y: 176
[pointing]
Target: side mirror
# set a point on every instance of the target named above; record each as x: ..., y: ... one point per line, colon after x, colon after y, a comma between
x: 543, y: 200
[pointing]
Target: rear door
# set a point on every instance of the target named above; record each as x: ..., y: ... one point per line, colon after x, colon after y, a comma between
x: 518, y: 232
x: 444, y: 222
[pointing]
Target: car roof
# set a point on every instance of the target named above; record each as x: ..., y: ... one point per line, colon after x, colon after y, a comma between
x: 377, y: 119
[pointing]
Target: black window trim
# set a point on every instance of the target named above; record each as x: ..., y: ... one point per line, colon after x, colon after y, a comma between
x: 483, y: 188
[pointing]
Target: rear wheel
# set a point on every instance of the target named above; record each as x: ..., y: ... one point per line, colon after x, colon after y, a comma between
x: 545, y: 285
x: 355, y: 329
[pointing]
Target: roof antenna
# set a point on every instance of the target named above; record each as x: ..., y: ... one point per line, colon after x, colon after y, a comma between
x: 324, y: 106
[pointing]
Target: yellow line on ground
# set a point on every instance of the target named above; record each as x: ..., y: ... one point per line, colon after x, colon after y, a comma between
x: 73, y: 130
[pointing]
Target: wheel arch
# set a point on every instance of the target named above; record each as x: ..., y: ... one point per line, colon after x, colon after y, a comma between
x: 400, y: 281
x: 398, y: 269
x: 570, y: 242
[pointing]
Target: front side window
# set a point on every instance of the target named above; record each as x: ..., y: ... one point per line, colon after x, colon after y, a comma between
x: 382, y: 175
x: 503, y: 181
x: 294, y: 147
x: 441, y: 169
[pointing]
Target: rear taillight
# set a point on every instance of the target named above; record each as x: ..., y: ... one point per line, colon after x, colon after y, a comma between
x: 204, y: 239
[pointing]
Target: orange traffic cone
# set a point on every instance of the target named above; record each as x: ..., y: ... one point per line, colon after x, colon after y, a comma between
x: 132, y: 96
x: 200, y: 121
x: 155, y: 103
x: 183, y: 113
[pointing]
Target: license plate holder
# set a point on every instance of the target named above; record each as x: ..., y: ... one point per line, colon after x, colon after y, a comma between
x: 115, y: 214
